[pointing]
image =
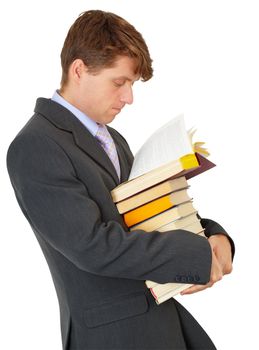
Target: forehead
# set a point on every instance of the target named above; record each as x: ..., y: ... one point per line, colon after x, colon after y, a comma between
x: 123, y: 67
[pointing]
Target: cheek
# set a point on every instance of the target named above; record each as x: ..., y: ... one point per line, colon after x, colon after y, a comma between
x: 108, y: 96
x: 103, y: 94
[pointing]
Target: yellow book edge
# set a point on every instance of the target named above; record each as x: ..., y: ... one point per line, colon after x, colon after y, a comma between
x: 189, y: 161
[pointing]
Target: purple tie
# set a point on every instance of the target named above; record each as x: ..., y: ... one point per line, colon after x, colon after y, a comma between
x: 104, y: 137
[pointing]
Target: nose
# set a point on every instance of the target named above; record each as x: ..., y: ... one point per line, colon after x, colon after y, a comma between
x: 127, y: 94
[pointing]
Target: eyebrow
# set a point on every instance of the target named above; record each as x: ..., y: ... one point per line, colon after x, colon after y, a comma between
x: 125, y: 78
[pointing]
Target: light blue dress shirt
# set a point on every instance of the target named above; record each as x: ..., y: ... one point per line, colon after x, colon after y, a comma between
x: 89, y: 123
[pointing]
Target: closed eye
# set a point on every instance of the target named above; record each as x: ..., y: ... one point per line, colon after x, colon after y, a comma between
x: 119, y: 83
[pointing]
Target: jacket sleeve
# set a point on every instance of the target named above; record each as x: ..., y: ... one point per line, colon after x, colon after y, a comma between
x: 58, y: 207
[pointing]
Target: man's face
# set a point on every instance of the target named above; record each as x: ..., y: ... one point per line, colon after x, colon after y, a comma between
x: 102, y: 96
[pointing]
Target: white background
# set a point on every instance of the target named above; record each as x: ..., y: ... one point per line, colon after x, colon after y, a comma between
x: 206, y: 65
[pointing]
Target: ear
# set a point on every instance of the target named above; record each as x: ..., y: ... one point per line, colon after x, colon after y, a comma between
x: 77, y: 69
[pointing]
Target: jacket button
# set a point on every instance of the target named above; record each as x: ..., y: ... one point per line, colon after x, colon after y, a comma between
x: 178, y: 278
x: 190, y: 279
x: 197, y: 278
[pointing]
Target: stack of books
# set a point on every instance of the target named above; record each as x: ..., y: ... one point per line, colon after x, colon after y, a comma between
x: 158, y: 199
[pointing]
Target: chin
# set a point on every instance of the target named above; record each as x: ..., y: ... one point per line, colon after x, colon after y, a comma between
x: 107, y: 120
x: 110, y: 119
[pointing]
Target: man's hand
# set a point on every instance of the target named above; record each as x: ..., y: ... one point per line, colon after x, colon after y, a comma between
x: 222, y: 249
x: 221, y: 262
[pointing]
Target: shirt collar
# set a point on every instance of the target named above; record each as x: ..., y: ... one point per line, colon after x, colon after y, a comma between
x: 89, y: 123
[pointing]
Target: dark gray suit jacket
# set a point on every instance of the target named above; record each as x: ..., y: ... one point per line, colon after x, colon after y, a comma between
x: 62, y: 180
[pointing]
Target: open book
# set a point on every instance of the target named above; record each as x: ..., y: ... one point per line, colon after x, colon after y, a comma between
x: 167, y: 153
x: 168, y: 143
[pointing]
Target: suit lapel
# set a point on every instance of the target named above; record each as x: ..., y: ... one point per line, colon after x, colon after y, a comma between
x: 63, y: 119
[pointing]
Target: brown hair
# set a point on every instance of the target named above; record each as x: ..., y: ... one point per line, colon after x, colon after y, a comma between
x: 98, y: 37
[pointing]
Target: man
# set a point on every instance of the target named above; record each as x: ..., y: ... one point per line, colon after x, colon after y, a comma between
x: 62, y: 176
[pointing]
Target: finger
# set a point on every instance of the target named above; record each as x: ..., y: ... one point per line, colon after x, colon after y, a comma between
x: 216, y: 275
x: 228, y: 268
x: 216, y: 269
x: 225, y: 264
x: 196, y: 288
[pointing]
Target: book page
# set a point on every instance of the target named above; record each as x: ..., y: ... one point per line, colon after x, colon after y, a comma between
x: 168, y: 143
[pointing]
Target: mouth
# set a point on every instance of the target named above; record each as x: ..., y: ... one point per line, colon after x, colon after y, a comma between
x: 117, y: 109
